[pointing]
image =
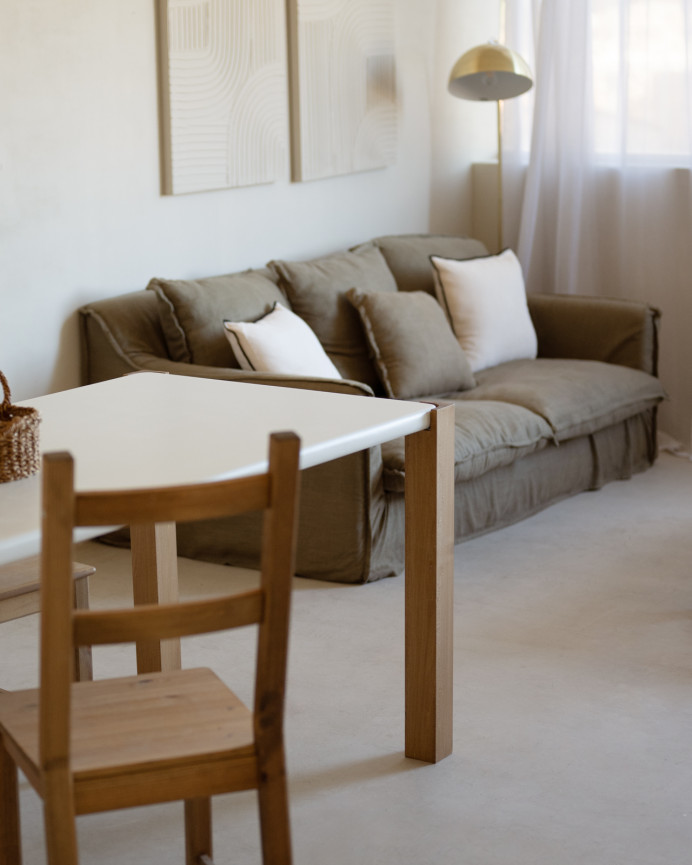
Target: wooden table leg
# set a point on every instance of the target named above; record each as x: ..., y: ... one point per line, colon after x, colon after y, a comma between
x: 155, y: 581
x: 429, y: 587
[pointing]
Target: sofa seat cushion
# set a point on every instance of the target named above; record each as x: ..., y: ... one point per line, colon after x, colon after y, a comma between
x: 576, y: 397
x: 192, y: 312
x: 317, y: 292
x: 487, y: 435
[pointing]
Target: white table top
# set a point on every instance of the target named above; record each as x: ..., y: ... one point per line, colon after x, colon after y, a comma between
x: 151, y: 429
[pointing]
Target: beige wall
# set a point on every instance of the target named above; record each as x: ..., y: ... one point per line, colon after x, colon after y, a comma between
x: 81, y: 215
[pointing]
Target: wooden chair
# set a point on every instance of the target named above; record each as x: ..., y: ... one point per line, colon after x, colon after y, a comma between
x: 20, y: 589
x: 96, y: 746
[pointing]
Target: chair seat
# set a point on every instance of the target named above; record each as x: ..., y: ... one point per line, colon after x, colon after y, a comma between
x: 126, y: 730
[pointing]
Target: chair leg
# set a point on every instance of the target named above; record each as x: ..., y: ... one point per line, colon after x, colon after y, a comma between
x: 59, y: 819
x: 10, y: 839
x: 84, y: 670
x: 198, y: 841
x: 274, y: 820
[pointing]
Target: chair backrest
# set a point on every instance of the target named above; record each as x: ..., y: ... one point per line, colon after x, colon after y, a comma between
x: 63, y: 509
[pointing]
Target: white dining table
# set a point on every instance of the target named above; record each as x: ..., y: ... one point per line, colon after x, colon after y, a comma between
x: 153, y: 429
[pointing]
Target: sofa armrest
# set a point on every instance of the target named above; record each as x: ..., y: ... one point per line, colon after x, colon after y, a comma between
x: 596, y: 328
x: 123, y: 335
x: 160, y: 364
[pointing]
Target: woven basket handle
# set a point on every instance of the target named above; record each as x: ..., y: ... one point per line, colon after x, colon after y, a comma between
x: 6, y: 406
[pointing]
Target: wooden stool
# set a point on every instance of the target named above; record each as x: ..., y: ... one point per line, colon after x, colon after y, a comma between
x: 20, y: 595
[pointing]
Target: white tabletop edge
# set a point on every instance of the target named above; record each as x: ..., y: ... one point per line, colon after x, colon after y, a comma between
x: 329, y: 425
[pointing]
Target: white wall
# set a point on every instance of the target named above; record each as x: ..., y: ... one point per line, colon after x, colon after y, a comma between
x: 465, y: 132
x: 81, y: 215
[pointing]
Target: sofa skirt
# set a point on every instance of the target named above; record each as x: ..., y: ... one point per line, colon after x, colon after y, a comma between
x: 508, y: 494
x: 352, y: 531
x: 511, y: 493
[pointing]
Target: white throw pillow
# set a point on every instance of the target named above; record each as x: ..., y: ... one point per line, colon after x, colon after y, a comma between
x: 279, y: 342
x: 485, y: 301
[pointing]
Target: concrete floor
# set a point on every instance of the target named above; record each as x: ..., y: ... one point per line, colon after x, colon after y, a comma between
x: 573, y: 702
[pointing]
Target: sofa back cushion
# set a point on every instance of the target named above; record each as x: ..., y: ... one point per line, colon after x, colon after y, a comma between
x: 414, y: 349
x: 408, y: 256
x: 193, y: 311
x: 317, y: 290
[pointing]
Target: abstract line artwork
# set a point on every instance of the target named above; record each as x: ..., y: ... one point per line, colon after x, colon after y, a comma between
x: 223, y: 93
x: 343, y: 86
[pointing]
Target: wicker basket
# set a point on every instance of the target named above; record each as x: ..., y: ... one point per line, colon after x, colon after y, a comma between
x: 19, y: 453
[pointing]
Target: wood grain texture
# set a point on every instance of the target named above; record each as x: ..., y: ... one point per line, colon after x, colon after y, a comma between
x: 169, y: 620
x: 429, y: 587
x: 155, y: 581
x: 56, y: 649
x: 170, y: 504
x: 10, y: 836
x: 23, y: 577
x: 20, y: 595
x: 280, y: 527
x: 198, y: 835
x: 160, y: 736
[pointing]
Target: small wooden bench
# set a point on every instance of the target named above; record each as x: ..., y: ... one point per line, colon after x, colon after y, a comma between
x: 20, y: 595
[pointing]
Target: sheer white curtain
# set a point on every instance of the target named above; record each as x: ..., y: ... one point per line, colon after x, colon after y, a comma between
x: 600, y: 193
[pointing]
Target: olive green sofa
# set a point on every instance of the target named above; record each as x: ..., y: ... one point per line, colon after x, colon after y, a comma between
x: 530, y: 432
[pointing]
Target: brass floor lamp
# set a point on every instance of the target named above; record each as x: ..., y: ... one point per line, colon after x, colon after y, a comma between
x: 491, y: 73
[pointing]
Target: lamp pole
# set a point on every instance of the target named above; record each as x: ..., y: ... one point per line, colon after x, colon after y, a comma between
x: 500, y: 196
x: 491, y: 73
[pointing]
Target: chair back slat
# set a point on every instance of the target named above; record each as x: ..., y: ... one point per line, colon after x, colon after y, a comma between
x: 173, y: 504
x: 163, y: 622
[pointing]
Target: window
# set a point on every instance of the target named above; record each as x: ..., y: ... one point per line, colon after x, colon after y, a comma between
x: 638, y: 71
x: 641, y: 78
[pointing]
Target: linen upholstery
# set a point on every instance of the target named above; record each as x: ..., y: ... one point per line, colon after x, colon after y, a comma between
x: 119, y: 335
x: 412, y: 345
x: 279, y: 341
x: 357, y: 551
x: 351, y: 524
x: 485, y: 301
x: 576, y: 397
x: 408, y: 256
x: 526, y: 486
x: 192, y: 312
x: 596, y: 328
x: 487, y: 435
x: 317, y: 292
x: 112, y: 348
